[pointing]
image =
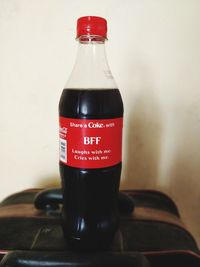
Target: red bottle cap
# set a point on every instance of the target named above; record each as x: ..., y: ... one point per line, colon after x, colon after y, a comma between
x: 91, y: 25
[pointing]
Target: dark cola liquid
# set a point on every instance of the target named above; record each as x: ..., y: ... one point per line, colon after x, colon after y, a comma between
x: 90, y: 214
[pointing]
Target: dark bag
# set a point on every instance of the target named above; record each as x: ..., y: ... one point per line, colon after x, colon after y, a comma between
x: 151, y: 233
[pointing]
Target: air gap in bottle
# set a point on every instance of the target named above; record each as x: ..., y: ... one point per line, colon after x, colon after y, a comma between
x: 91, y: 121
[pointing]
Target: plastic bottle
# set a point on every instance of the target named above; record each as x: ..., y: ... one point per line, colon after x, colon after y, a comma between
x: 91, y: 121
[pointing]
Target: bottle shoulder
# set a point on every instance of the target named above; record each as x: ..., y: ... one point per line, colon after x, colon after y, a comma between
x: 91, y: 103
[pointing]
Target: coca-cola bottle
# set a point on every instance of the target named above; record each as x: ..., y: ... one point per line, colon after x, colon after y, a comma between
x: 91, y: 120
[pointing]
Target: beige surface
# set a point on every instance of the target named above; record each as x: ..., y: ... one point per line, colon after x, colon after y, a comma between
x: 155, y: 57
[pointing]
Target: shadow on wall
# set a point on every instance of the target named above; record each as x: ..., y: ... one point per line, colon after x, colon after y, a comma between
x: 160, y: 153
x: 143, y: 135
x: 48, y: 182
x: 183, y: 183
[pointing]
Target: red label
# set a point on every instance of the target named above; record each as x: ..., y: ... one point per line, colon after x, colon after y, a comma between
x: 90, y: 143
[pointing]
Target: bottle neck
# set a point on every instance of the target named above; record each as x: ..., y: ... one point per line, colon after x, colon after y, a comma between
x: 91, y: 70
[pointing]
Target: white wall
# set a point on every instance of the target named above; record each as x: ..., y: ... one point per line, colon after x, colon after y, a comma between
x: 154, y: 54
